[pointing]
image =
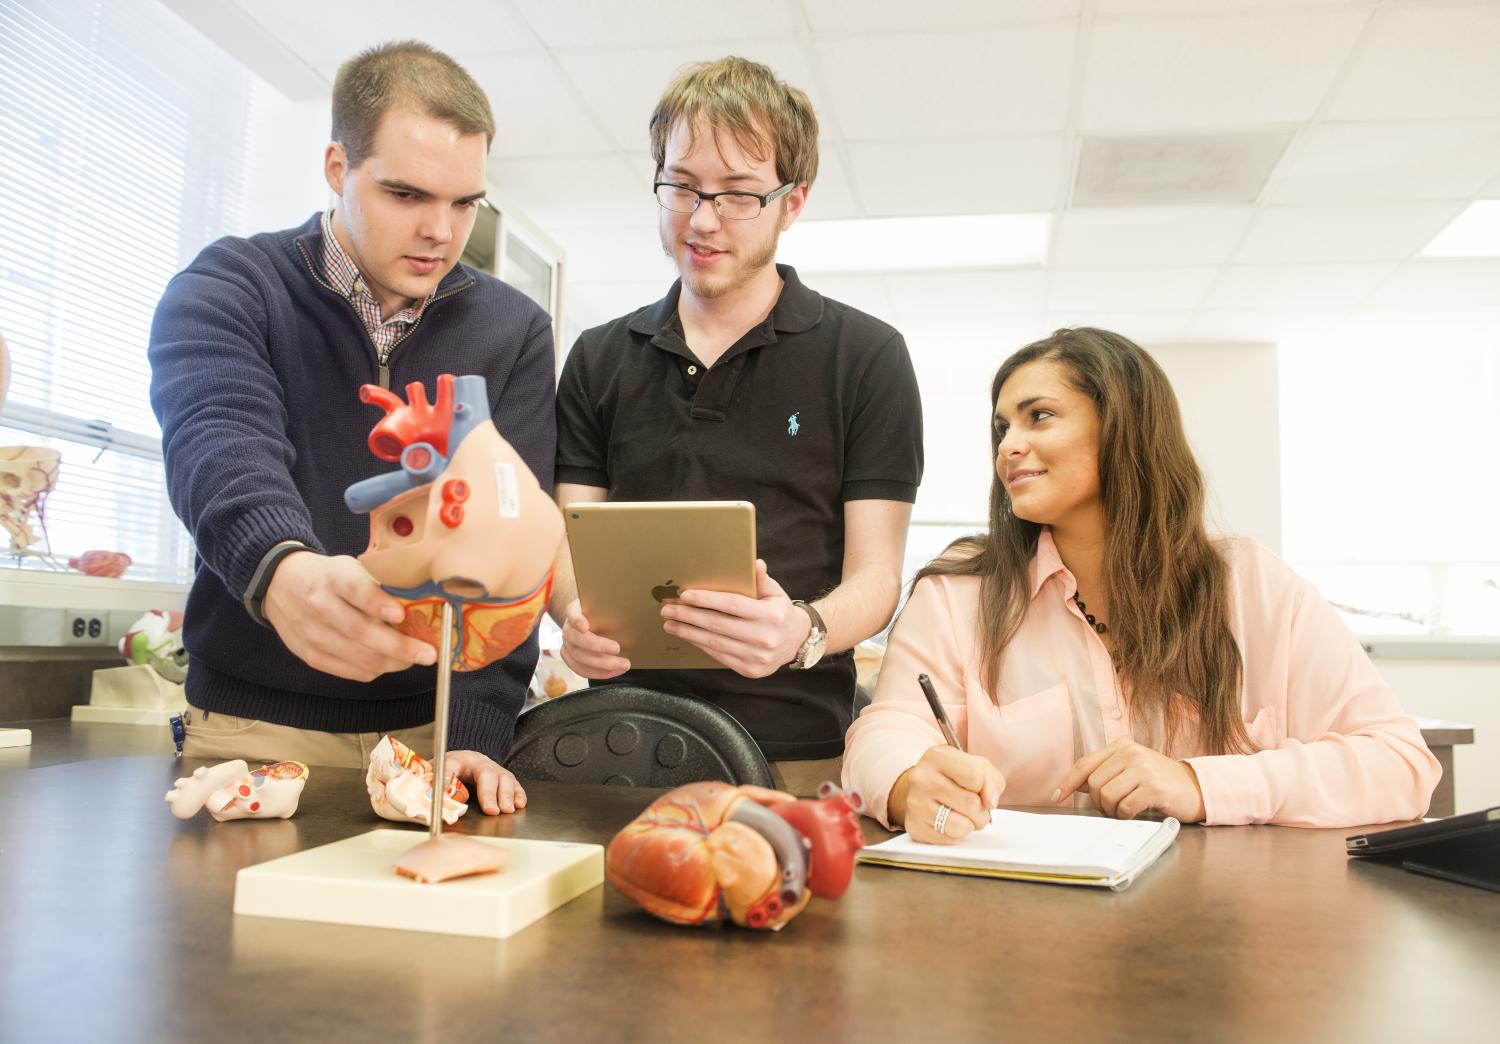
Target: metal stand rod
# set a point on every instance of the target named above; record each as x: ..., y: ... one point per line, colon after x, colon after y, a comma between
x: 440, y: 724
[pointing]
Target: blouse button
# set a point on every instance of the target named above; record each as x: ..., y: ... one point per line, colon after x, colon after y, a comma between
x: 692, y: 370
x: 1115, y: 714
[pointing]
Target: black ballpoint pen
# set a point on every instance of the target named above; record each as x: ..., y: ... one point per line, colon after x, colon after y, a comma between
x: 938, y: 712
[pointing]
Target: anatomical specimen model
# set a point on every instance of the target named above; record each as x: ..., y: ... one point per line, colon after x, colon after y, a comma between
x: 232, y: 791
x: 709, y: 852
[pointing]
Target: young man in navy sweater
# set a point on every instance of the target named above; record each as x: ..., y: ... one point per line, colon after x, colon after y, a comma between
x: 258, y: 350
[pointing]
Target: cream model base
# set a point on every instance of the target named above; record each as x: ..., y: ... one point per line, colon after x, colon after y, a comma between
x: 351, y: 882
x: 136, y: 685
x: 125, y: 715
x: 15, y: 737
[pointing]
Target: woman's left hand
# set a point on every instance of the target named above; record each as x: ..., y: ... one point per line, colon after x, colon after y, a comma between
x: 1126, y: 779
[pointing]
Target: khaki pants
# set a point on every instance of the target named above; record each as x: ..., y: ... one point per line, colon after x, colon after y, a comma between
x: 802, y: 778
x: 224, y: 737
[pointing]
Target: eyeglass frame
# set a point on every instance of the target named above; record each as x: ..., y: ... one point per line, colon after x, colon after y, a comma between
x: 764, y: 199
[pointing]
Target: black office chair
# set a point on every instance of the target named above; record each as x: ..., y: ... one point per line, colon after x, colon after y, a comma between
x: 632, y: 737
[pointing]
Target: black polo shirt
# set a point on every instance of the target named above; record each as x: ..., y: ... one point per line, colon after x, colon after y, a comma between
x: 816, y: 406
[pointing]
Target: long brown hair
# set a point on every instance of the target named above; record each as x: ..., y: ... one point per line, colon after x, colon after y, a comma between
x: 1168, y: 584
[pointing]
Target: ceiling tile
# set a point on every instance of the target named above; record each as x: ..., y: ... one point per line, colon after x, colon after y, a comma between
x: 883, y: 16
x: 1432, y: 61
x: 651, y: 23
x: 904, y: 86
x: 1213, y: 73
x: 622, y: 87
x: 967, y: 293
x: 832, y: 196
x: 1074, y: 290
x: 1205, y: 6
x: 1099, y: 237
x: 1296, y: 286
x: 1432, y: 282
x: 1359, y: 162
x: 1144, y: 328
x: 1366, y: 232
x: 535, y: 114
x: 980, y: 176
x: 576, y: 191
x: 328, y: 32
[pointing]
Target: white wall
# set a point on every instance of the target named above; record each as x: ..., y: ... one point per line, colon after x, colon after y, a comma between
x: 1229, y: 395
x: 284, y: 176
x: 1465, y: 691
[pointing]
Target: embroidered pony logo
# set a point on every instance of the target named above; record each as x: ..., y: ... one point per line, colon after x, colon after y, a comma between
x: 792, y: 427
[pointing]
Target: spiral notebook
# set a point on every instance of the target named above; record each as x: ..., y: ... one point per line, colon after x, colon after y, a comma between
x: 1032, y: 846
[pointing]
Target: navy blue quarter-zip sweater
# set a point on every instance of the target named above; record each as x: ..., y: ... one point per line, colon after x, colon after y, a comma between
x: 256, y: 364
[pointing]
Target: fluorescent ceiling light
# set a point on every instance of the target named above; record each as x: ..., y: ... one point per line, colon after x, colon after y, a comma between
x: 918, y: 243
x: 1474, y: 233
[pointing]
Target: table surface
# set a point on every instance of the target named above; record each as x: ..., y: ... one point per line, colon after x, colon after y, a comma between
x: 117, y: 923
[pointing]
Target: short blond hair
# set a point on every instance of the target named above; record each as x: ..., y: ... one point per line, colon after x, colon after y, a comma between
x: 766, y: 116
x: 406, y: 72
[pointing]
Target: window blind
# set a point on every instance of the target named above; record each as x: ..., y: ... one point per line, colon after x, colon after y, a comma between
x: 124, y: 156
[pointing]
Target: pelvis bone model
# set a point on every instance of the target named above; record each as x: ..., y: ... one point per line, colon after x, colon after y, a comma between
x: 463, y: 520
x: 707, y: 852
x: 232, y: 791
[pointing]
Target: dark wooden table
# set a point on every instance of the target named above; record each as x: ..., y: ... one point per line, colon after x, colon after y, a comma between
x: 116, y: 923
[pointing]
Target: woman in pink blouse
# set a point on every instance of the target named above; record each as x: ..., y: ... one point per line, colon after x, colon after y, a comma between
x: 1098, y: 643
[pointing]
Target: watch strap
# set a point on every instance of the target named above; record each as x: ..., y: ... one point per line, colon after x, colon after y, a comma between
x: 260, y: 582
x: 817, y: 639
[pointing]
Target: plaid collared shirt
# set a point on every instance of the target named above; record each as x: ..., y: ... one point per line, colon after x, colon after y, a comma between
x: 343, y: 273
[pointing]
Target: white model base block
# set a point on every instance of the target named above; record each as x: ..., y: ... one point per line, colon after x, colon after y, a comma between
x: 124, y: 715
x: 135, y: 685
x: 15, y: 737
x: 351, y: 882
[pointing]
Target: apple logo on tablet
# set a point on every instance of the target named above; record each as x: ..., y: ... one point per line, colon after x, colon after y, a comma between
x: 667, y: 592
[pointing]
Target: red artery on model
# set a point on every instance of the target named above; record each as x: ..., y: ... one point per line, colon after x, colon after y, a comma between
x: 408, y: 422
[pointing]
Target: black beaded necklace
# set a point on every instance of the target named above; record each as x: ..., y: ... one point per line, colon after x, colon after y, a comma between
x: 1095, y: 624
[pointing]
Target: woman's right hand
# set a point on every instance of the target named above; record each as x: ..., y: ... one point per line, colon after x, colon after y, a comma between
x: 969, y: 785
x: 590, y: 655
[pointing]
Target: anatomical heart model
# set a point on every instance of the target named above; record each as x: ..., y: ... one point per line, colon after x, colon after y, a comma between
x: 462, y: 521
x: 462, y: 534
x: 707, y: 852
x: 232, y: 791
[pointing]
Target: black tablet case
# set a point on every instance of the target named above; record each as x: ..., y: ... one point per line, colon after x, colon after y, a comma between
x: 1462, y: 848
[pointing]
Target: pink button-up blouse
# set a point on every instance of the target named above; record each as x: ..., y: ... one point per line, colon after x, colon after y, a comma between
x: 1333, y: 746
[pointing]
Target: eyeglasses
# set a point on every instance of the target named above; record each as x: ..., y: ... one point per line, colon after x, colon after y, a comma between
x: 736, y: 206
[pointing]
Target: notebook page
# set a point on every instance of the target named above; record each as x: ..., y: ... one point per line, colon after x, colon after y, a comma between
x: 1035, y: 840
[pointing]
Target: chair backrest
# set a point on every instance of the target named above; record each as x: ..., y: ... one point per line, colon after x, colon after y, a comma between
x: 633, y: 737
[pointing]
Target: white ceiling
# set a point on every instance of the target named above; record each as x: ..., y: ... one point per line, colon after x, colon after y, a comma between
x: 979, y: 106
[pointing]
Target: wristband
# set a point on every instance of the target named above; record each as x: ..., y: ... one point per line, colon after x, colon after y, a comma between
x: 260, y: 583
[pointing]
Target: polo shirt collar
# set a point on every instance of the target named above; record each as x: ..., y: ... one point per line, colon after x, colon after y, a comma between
x: 797, y: 310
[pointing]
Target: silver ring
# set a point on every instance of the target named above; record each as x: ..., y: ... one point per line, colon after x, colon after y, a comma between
x: 940, y: 820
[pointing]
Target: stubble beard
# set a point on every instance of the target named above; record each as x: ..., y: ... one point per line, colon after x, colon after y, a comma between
x: 706, y: 287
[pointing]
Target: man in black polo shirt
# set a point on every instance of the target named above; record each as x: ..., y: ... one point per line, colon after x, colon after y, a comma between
x: 743, y: 384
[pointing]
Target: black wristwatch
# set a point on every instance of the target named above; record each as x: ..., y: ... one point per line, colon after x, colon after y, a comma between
x: 817, y: 641
x: 260, y: 583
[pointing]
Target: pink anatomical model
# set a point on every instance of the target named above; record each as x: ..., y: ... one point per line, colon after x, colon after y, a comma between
x: 400, y: 785
x: 101, y: 563
x: 232, y: 791
x: 707, y: 852
x: 462, y: 521
x: 449, y: 856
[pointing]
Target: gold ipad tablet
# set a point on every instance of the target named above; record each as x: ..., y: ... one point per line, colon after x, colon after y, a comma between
x: 629, y: 558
